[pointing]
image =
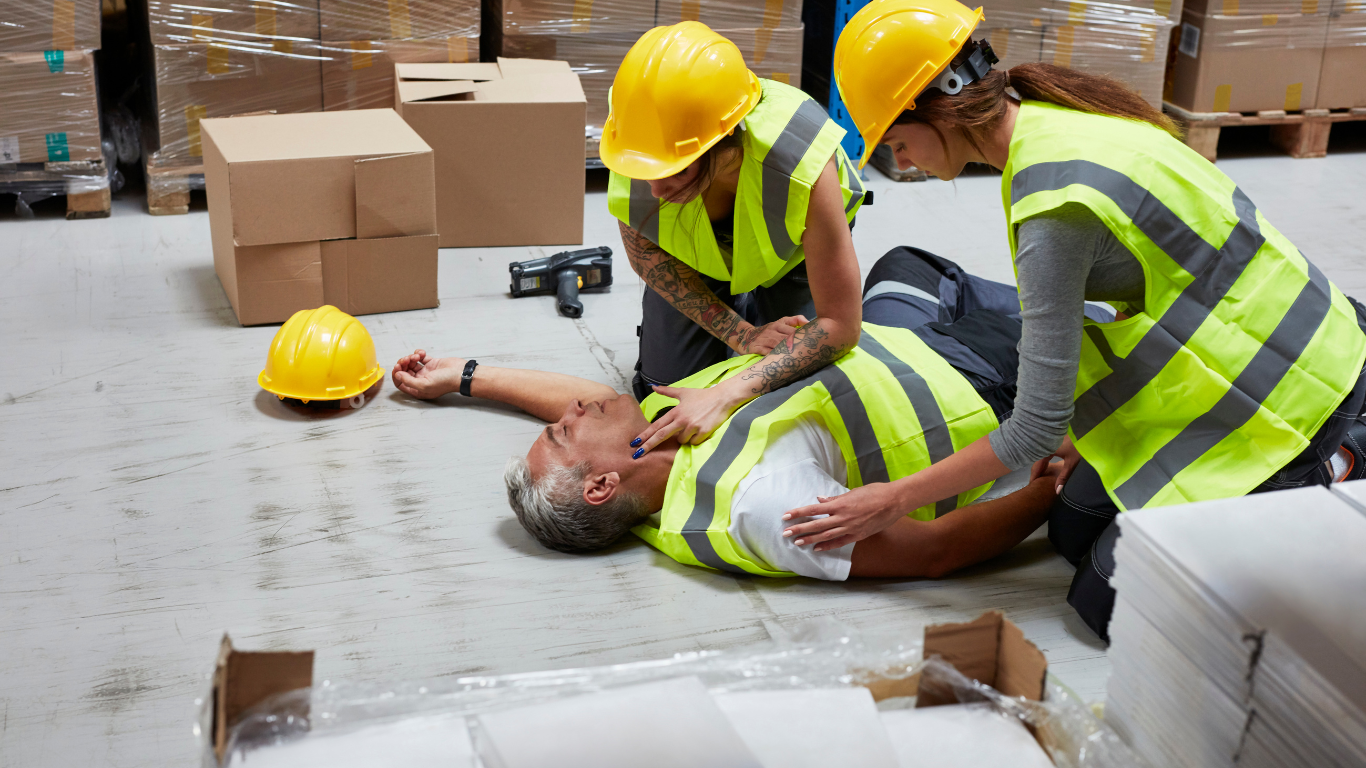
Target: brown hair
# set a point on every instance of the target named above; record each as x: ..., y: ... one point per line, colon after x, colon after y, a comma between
x: 981, y: 105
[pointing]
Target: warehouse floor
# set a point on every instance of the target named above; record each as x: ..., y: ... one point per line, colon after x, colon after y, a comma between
x: 153, y: 497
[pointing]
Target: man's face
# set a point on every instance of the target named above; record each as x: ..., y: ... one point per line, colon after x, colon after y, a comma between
x: 598, y: 432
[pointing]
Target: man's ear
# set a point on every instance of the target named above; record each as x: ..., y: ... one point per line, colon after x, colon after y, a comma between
x: 600, y: 489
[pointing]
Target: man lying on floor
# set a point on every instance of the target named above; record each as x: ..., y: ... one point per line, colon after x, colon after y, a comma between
x: 934, y: 371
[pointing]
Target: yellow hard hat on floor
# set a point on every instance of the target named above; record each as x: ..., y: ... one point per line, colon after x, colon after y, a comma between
x: 677, y: 92
x: 320, y: 354
x: 889, y: 52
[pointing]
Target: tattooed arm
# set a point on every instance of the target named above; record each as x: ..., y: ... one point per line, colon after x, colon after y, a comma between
x: 833, y: 270
x: 682, y: 286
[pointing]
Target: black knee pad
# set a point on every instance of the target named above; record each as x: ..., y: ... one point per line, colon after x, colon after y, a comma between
x: 1091, y: 594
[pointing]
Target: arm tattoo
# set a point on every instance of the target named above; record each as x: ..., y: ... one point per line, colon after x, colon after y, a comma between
x: 682, y: 286
x: 793, y: 359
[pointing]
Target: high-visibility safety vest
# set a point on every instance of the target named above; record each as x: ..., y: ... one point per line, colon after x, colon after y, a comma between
x: 787, y: 139
x: 893, y: 405
x: 1242, y: 348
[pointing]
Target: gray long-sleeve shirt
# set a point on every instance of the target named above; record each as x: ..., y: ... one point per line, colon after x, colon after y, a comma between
x: 1063, y: 259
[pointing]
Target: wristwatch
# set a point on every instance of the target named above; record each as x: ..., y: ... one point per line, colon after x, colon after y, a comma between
x: 467, y: 376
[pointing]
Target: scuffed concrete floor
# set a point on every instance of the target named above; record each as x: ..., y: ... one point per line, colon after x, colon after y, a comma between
x: 152, y: 497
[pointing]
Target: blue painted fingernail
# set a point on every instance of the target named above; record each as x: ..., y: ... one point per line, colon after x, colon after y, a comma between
x: 635, y: 442
x: 639, y: 452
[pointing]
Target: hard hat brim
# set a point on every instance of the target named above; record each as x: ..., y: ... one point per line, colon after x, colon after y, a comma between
x: 362, y: 386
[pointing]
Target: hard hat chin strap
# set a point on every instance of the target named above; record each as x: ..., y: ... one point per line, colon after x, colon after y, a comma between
x: 974, y: 67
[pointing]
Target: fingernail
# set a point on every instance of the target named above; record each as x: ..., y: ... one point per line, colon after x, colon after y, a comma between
x: 639, y: 452
x: 787, y: 517
x: 635, y: 442
x: 786, y: 534
x: 799, y: 542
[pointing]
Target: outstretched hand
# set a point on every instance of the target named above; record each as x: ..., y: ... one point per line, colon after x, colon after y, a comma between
x: 849, y: 517
x: 762, y: 340
x: 426, y: 377
x: 698, y: 413
x: 1062, y: 470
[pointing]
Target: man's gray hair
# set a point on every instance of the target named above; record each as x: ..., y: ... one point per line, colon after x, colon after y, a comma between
x: 554, y: 511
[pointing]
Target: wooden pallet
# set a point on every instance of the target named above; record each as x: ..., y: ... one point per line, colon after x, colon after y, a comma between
x: 1299, y: 134
x: 74, y: 180
x: 168, y: 188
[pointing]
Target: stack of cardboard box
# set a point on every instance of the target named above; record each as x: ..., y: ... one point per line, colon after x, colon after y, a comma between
x: 216, y: 58
x: 1124, y: 39
x: 594, y: 36
x: 47, y: 77
x: 1255, y: 55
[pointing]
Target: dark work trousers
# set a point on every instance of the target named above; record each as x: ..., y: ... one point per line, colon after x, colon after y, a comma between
x: 673, y: 347
x: 1082, y: 523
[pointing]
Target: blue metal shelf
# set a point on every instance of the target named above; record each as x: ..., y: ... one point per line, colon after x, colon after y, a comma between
x: 853, y: 143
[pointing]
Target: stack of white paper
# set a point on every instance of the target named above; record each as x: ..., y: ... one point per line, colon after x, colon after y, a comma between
x: 1239, y: 632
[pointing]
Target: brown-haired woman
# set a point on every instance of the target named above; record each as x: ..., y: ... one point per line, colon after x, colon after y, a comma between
x: 735, y: 202
x: 1233, y: 364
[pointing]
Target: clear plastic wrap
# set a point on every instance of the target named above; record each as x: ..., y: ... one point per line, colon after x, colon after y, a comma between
x: 1133, y: 53
x: 1248, y: 63
x: 819, y: 655
x: 1342, y: 80
x: 29, y: 26
x: 217, y: 58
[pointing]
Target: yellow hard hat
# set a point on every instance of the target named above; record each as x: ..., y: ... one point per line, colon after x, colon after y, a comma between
x: 320, y: 354
x: 889, y: 52
x: 677, y: 92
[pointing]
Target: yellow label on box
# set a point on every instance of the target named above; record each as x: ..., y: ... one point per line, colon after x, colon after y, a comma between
x: 1162, y: 7
x: 217, y: 59
x: 1230, y: 7
x: 193, y: 114
x: 1222, y: 96
x: 1076, y: 12
x: 400, y: 23
x: 361, y: 55
x: 781, y: 77
x: 762, y: 37
x: 1309, y: 7
x: 457, y: 49
x: 63, y: 25
x: 1268, y: 19
x: 1000, y: 42
x: 1292, y: 96
x: 583, y: 17
x: 201, y: 27
x: 1062, y: 52
x: 265, y: 18
x: 773, y: 13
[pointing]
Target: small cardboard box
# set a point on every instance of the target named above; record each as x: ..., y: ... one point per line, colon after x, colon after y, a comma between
x: 50, y: 114
x: 1248, y: 63
x: 509, y: 148
x: 360, y: 74
x: 28, y: 26
x: 176, y: 22
x: 1342, y: 79
x: 344, y: 20
x: 333, y: 207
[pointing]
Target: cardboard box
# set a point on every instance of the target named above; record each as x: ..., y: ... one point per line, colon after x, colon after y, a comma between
x: 508, y: 139
x: 1255, y: 7
x: 578, y: 17
x: 1013, y: 46
x: 1342, y: 78
x: 1247, y: 63
x: 1016, y: 14
x: 194, y: 82
x: 360, y: 74
x: 336, y: 208
x: 176, y: 22
x: 28, y: 26
x: 1096, y: 13
x: 1134, y: 54
x: 50, y: 112
x: 345, y: 20
x: 731, y: 14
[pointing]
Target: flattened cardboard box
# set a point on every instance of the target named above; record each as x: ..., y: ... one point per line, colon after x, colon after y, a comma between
x: 334, y: 207
x: 509, y: 144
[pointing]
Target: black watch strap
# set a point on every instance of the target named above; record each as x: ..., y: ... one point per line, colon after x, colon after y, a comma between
x: 467, y: 376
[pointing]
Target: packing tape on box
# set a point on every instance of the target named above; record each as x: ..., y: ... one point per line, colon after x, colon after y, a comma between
x: 400, y: 23
x: 1230, y: 7
x: 201, y: 27
x: 773, y: 13
x: 1062, y: 52
x: 1000, y: 42
x: 1309, y: 7
x: 583, y: 17
x: 265, y: 18
x: 1292, y: 96
x: 1162, y: 8
x: 1222, y: 96
x: 1147, y: 49
x: 63, y: 24
x: 361, y: 55
x: 781, y: 77
x: 762, y: 38
x: 280, y: 45
x: 457, y: 49
x: 1269, y: 19
x: 1076, y: 12
x: 217, y: 59
x: 193, y: 114
x: 689, y: 10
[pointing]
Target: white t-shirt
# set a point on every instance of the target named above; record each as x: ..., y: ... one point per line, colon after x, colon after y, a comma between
x: 801, y: 462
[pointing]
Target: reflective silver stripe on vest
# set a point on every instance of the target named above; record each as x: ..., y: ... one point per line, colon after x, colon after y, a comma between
x: 855, y: 186
x: 938, y: 441
x: 1215, y: 272
x: 1243, y: 399
x: 643, y: 210
x: 779, y: 165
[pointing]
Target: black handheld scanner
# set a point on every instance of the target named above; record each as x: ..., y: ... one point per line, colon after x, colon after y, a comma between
x: 564, y: 275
